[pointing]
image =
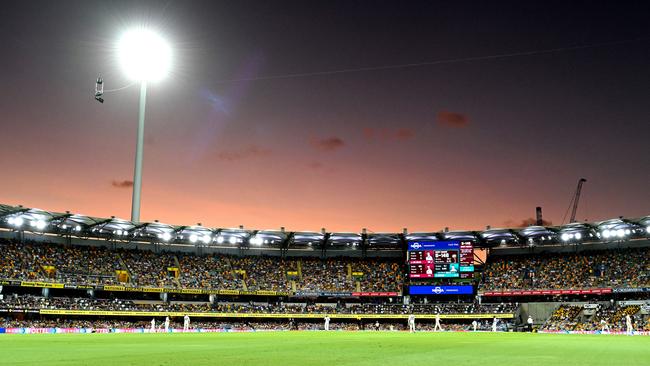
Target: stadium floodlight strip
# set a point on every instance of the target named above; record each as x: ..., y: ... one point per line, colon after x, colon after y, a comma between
x: 620, y: 233
x: 36, y: 221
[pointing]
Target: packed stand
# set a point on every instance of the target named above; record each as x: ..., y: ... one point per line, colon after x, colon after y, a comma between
x: 326, y: 275
x: 379, y: 276
x: 263, y: 273
x: 613, y: 268
x: 210, y: 271
x: 563, y: 318
x: 70, y: 264
x: 147, y: 268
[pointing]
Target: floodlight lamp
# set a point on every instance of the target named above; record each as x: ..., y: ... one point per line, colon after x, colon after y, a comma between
x: 606, y: 233
x: 144, y: 55
x: 10, y: 221
x: 620, y: 233
x: 232, y: 240
x: 647, y: 229
x: 77, y: 228
x: 40, y: 224
x: 578, y: 236
x: 166, y: 236
x: 193, y: 238
x: 565, y: 237
x: 220, y: 239
x: 206, y: 239
x: 18, y: 222
x: 627, y: 232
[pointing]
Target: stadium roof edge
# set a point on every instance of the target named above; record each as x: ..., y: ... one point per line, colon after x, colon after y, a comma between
x: 19, y: 218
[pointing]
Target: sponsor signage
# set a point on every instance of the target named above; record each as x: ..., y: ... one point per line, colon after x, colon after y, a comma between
x: 593, y: 291
x: 631, y: 289
x: 441, y: 290
x: 121, y: 288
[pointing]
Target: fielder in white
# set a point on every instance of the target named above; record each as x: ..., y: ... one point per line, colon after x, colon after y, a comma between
x: 494, y: 324
x: 474, y: 325
x: 437, y: 326
x: 186, y: 323
x: 153, y: 325
x: 604, y: 327
x: 327, y: 322
x: 166, y: 324
x: 411, y: 322
x: 628, y: 324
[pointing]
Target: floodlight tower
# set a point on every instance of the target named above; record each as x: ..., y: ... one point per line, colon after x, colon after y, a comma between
x: 145, y: 57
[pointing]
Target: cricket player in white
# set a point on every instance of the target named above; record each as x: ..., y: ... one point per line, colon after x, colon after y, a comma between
x: 186, y: 323
x: 153, y: 325
x: 437, y: 326
x: 411, y: 322
x: 604, y: 327
x: 327, y: 322
x: 628, y: 324
x: 474, y: 325
x: 530, y: 323
x: 494, y: 324
x: 166, y: 324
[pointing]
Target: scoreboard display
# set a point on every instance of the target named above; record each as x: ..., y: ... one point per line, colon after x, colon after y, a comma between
x: 440, y: 259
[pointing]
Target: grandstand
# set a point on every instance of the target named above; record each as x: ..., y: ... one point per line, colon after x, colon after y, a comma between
x: 71, y: 271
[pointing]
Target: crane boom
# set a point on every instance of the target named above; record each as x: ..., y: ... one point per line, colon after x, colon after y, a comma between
x: 576, y: 199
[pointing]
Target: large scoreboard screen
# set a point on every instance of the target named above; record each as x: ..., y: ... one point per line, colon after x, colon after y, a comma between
x: 440, y: 259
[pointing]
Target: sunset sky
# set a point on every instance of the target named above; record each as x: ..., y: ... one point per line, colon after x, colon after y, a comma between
x: 460, y: 144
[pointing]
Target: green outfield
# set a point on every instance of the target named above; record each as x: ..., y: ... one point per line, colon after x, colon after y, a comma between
x: 320, y: 348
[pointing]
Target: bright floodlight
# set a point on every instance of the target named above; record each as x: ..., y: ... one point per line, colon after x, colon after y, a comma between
x: 18, y: 222
x: 144, y: 55
x: 166, y: 236
x: 220, y: 239
x: 193, y: 238
x: 578, y: 236
x: 232, y: 240
x: 565, y: 237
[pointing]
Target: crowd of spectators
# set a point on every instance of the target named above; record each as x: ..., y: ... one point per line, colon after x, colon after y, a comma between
x: 326, y: 275
x: 613, y: 268
x: 210, y: 271
x: 29, y: 302
x: 99, y: 265
x: 606, y: 317
x: 71, y: 264
x: 147, y: 268
x: 563, y: 318
x: 264, y: 273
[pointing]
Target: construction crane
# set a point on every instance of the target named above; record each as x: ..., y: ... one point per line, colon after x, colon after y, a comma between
x: 574, y: 202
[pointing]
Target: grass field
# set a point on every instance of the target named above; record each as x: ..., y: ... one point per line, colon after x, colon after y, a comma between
x: 320, y: 348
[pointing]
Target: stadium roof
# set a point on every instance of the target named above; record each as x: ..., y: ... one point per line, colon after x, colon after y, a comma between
x: 18, y: 218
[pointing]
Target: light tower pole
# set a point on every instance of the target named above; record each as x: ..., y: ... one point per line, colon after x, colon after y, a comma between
x: 145, y: 57
x: 139, y: 147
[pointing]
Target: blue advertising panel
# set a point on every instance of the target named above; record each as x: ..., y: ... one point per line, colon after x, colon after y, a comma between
x: 441, y: 290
